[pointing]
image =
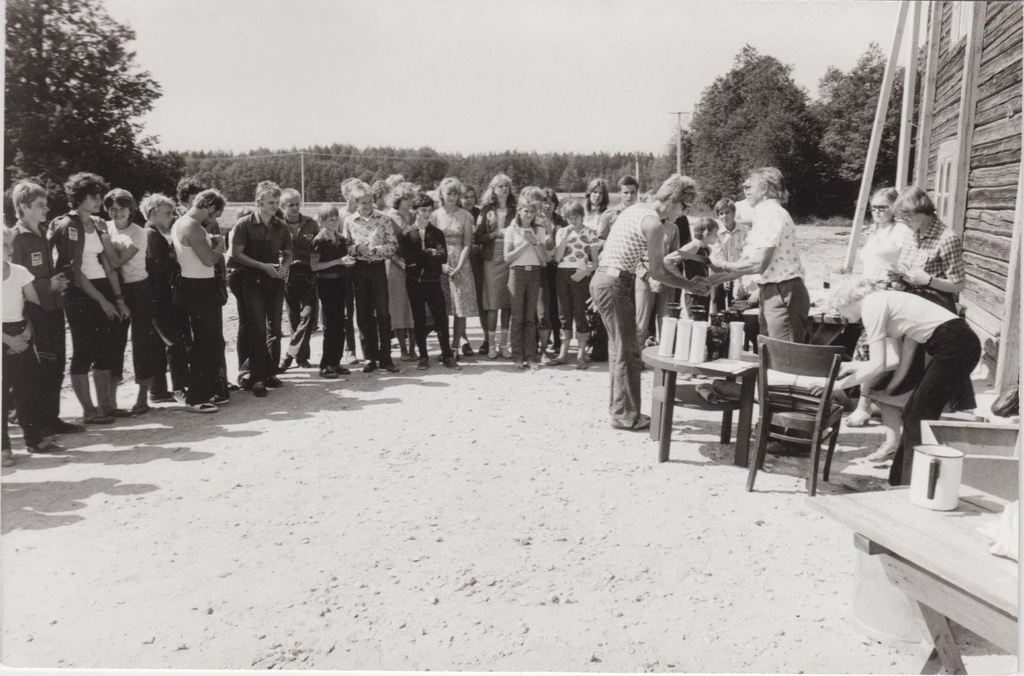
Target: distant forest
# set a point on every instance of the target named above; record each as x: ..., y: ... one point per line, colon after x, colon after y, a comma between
x: 326, y: 167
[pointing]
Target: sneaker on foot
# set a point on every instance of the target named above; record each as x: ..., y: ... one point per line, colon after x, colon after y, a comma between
x: 160, y: 397
x: 392, y: 368
x: 259, y: 389
x: 424, y: 364
x: 220, y: 400
x: 370, y: 366
x: 328, y: 372
x: 342, y: 371
x: 273, y: 381
x: 451, y: 363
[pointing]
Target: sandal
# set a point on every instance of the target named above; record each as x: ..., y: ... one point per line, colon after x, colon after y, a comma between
x: 858, y: 419
x: 555, y: 361
x: 140, y: 409
x: 582, y: 366
x: 97, y: 417
x: 119, y: 413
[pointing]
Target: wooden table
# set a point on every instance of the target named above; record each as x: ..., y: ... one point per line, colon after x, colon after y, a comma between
x: 940, y: 561
x: 823, y: 329
x: 664, y: 399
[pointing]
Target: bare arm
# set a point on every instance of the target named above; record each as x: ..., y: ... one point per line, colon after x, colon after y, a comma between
x: 655, y: 234
x: 195, y: 236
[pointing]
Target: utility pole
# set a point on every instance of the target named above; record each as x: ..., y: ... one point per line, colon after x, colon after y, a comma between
x: 679, y: 139
x: 638, y: 168
x: 302, y: 176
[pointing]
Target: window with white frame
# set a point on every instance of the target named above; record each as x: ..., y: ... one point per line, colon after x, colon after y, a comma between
x: 958, y: 24
x: 945, y: 181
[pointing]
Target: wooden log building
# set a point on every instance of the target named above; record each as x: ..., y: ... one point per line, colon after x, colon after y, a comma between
x: 969, y: 131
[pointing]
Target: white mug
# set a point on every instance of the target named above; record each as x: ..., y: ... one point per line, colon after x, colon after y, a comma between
x: 935, y: 480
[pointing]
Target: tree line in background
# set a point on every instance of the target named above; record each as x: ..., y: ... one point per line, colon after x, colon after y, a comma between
x: 74, y: 95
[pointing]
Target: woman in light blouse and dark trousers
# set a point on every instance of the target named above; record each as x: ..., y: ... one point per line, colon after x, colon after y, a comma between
x: 772, y: 252
x: 526, y: 255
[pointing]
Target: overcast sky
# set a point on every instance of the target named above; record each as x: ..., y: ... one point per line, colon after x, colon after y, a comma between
x: 467, y: 75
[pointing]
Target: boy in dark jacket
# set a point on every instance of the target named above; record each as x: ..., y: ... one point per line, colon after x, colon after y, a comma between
x: 424, y: 251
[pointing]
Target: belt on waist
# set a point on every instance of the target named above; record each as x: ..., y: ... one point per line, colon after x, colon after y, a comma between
x: 330, y: 275
x: 615, y: 272
x: 526, y: 267
x: 362, y: 262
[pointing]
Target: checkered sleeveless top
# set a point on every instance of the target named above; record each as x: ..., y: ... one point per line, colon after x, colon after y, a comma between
x: 626, y: 243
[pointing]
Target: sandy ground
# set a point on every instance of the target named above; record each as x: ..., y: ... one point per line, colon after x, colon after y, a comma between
x: 480, y: 520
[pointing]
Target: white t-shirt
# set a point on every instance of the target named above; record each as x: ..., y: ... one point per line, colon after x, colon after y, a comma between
x: 135, y: 269
x: 91, y: 266
x: 895, y: 314
x: 881, y: 251
x: 14, y: 298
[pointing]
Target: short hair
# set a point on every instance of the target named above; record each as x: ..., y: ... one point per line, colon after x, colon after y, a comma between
x: 212, y: 200
x: 347, y: 185
x: 677, y: 188
x: 445, y: 183
x: 914, y: 200
x: 598, y: 184
x: 551, y: 196
x: 490, y: 199
x: 119, y: 197
x: 189, y: 186
x: 380, y: 189
x: 850, y: 289
x: 573, y: 207
x: 25, y: 193
x: 525, y: 200
x: 154, y: 201
x: 774, y: 183
x: 533, y: 192
x: 327, y: 211
x: 82, y: 185
x: 291, y: 192
x: 358, y: 191
x: 888, y: 194
x: 265, y: 188
x: 423, y: 200
x: 402, y: 191
x: 629, y: 179
x: 725, y: 204
x: 703, y: 226
x: 467, y: 188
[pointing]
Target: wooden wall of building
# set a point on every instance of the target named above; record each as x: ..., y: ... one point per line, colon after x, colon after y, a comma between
x: 995, y: 163
x: 995, y: 170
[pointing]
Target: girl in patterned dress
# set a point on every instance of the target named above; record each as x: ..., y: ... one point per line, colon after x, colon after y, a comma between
x: 460, y: 291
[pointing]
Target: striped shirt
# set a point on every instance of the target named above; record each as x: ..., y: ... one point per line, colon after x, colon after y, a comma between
x: 936, y: 250
x: 627, y: 244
